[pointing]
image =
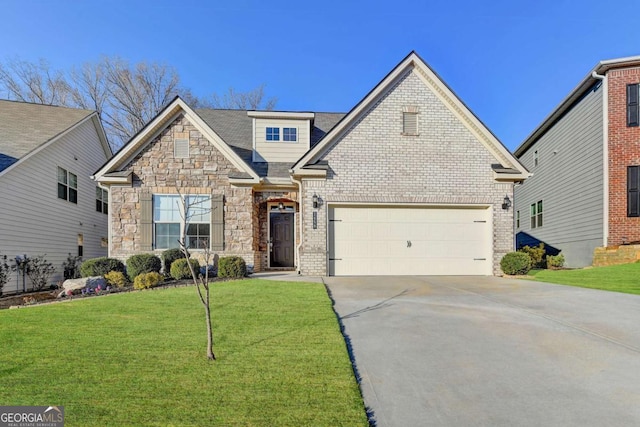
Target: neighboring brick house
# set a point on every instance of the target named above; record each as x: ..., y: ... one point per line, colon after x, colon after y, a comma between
x: 585, y: 161
x: 49, y: 205
x: 408, y: 182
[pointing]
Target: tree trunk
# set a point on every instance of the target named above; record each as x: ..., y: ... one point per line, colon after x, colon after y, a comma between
x: 210, y: 354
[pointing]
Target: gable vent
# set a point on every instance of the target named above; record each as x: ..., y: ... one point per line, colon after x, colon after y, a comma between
x: 181, y: 148
x: 410, y: 119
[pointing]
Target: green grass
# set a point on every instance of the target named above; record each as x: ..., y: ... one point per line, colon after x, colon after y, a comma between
x: 138, y: 359
x: 617, y: 278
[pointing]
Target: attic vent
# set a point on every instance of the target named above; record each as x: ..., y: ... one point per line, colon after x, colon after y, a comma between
x: 410, y: 120
x: 181, y: 148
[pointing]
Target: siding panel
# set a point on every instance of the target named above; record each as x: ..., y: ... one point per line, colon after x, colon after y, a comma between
x: 34, y: 221
x: 569, y: 179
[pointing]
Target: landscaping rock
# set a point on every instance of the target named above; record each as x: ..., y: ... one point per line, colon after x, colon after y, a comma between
x: 84, y: 282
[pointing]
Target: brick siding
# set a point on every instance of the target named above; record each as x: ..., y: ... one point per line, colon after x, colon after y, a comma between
x: 372, y: 162
x: 624, y: 150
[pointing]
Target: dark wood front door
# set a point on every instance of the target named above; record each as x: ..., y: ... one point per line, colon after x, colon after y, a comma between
x: 281, y: 239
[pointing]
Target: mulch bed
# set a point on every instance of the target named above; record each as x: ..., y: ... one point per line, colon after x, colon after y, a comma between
x: 49, y: 296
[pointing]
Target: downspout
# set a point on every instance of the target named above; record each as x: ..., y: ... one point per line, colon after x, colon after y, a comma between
x: 300, y: 203
x: 605, y: 155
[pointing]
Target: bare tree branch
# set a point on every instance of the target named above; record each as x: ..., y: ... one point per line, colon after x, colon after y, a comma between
x: 126, y: 97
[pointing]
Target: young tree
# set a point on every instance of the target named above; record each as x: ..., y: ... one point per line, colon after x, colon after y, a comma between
x: 5, y: 272
x: 189, y: 209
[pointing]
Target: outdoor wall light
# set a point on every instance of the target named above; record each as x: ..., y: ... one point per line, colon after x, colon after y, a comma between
x: 281, y: 206
x: 315, y: 201
x: 506, y: 203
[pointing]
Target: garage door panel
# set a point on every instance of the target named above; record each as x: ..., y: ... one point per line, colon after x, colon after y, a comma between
x: 401, y: 241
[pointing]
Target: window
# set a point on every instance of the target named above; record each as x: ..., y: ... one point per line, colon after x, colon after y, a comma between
x: 181, y: 148
x: 80, y: 245
x: 273, y: 134
x: 633, y: 191
x: 290, y: 134
x: 67, y: 186
x: 632, y: 105
x: 102, y: 200
x: 517, y: 219
x: 536, y: 214
x: 410, y: 123
x: 167, y: 221
x: 535, y: 158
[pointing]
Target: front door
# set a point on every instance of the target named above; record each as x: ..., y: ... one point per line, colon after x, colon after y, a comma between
x: 281, y: 232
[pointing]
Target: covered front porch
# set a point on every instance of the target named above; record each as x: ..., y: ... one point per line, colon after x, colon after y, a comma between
x: 277, y: 236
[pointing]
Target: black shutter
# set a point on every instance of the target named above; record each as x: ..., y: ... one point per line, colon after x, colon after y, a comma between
x: 632, y: 105
x: 633, y: 191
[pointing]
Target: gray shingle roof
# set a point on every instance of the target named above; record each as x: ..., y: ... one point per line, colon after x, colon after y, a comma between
x: 235, y: 127
x: 25, y: 127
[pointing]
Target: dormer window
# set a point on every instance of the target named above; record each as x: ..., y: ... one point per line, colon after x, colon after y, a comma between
x: 290, y: 134
x: 273, y: 134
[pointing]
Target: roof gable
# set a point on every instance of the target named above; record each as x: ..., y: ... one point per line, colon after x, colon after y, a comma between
x: 157, y: 125
x: 25, y: 127
x: 414, y: 63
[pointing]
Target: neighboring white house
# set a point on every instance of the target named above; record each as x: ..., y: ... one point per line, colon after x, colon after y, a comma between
x: 48, y: 203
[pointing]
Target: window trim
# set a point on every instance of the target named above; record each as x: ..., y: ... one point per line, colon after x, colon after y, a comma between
x: 272, y: 134
x: 206, y: 214
x: 284, y: 134
x: 102, y: 203
x: 69, y: 189
x: 537, y: 214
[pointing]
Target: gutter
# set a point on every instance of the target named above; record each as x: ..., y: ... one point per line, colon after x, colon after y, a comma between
x: 605, y: 156
x: 299, y: 247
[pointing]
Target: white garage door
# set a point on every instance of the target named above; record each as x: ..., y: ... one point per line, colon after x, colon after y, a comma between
x: 375, y: 240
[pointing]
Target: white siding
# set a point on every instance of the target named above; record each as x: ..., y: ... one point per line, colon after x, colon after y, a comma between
x: 34, y: 221
x: 569, y: 181
x: 281, y: 151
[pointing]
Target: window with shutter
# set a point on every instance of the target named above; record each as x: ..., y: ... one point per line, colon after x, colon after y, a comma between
x: 632, y: 105
x: 633, y: 191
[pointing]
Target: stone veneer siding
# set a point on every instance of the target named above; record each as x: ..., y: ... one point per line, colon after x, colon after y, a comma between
x: 206, y: 171
x: 624, y: 150
x: 373, y: 163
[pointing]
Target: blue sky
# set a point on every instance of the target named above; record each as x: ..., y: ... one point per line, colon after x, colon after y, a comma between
x: 511, y: 62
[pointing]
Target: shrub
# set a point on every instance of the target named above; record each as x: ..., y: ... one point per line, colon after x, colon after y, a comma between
x: 180, y: 269
x: 536, y: 253
x: 5, y: 272
x: 39, y: 270
x: 232, y: 266
x: 100, y: 266
x: 147, y: 280
x: 71, y: 267
x: 555, y: 261
x: 169, y: 256
x: 142, y: 263
x: 117, y: 279
x: 515, y: 263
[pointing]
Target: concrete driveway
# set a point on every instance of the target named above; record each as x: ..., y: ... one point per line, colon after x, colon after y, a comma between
x: 486, y: 351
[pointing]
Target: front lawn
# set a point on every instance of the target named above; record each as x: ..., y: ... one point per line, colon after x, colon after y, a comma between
x: 617, y: 278
x: 139, y: 358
